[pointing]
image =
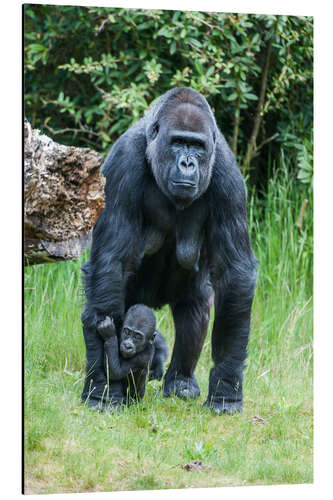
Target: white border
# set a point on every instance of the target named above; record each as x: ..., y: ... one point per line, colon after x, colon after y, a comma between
x: 11, y: 246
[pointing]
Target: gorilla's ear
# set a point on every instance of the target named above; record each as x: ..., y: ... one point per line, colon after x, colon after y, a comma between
x: 152, y: 131
x: 153, y: 337
x: 214, y: 136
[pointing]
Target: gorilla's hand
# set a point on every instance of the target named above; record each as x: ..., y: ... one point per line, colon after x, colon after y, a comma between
x: 106, y: 328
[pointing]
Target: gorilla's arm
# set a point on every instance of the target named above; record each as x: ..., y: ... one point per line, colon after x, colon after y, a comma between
x: 117, y: 243
x: 117, y: 367
x: 117, y: 246
x: 161, y: 353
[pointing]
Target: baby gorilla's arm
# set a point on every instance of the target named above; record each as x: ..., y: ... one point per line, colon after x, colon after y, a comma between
x: 118, y: 367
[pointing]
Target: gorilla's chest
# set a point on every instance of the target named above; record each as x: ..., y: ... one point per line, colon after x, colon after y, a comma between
x: 162, y: 279
x: 171, y: 231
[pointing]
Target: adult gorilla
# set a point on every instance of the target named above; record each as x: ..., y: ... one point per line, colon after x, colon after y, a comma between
x: 173, y: 230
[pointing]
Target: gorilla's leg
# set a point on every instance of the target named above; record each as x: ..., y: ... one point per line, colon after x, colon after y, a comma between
x: 191, y: 319
x: 229, y: 343
x: 96, y: 391
x: 135, y: 386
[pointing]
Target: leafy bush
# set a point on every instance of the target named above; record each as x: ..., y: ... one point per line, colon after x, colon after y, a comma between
x: 91, y: 72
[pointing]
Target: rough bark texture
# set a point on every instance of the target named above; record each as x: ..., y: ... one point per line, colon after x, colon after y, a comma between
x: 63, y: 196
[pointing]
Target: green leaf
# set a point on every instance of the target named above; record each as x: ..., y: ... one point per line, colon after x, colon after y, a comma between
x: 105, y: 137
x: 145, y: 25
x: 232, y: 97
x: 198, y: 67
x: 210, y: 71
x: 36, y: 47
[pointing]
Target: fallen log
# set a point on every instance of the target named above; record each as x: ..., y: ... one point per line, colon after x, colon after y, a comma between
x: 63, y: 196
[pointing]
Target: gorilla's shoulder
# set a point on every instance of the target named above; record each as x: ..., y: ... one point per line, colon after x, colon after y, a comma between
x: 128, y: 150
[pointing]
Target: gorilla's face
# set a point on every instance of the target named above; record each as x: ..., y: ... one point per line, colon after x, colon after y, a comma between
x: 181, y: 150
x: 138, y: 330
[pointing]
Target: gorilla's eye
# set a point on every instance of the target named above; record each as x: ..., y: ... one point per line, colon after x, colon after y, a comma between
x: 197, y: 146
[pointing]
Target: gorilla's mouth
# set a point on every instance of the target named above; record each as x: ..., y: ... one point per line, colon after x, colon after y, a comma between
x: 184, y: 189
x: 126, y: 353
x: 185, y: 184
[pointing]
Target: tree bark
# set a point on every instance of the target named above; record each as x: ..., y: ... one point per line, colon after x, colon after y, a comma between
x: 63, y: 196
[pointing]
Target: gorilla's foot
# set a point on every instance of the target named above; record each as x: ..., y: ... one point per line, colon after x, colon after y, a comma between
x: 224, y: 406
x: 156, y: 373
x: 181, y: 386
x: 110, y: 405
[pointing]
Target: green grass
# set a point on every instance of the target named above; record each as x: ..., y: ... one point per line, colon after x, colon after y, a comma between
x: 69, y: 448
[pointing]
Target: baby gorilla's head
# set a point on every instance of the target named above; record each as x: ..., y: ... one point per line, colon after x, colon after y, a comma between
x: 138, y: 330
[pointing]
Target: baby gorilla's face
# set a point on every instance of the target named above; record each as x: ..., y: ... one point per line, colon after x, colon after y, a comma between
x: 138, y: 330
x: 133, y: 341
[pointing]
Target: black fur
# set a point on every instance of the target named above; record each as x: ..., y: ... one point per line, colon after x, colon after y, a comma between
x: 174, y: 231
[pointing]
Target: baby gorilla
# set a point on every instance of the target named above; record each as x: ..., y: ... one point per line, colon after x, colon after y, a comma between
x: 141, y: 348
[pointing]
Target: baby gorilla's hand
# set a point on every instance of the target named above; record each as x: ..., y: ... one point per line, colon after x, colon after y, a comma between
x: 106, y: 328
